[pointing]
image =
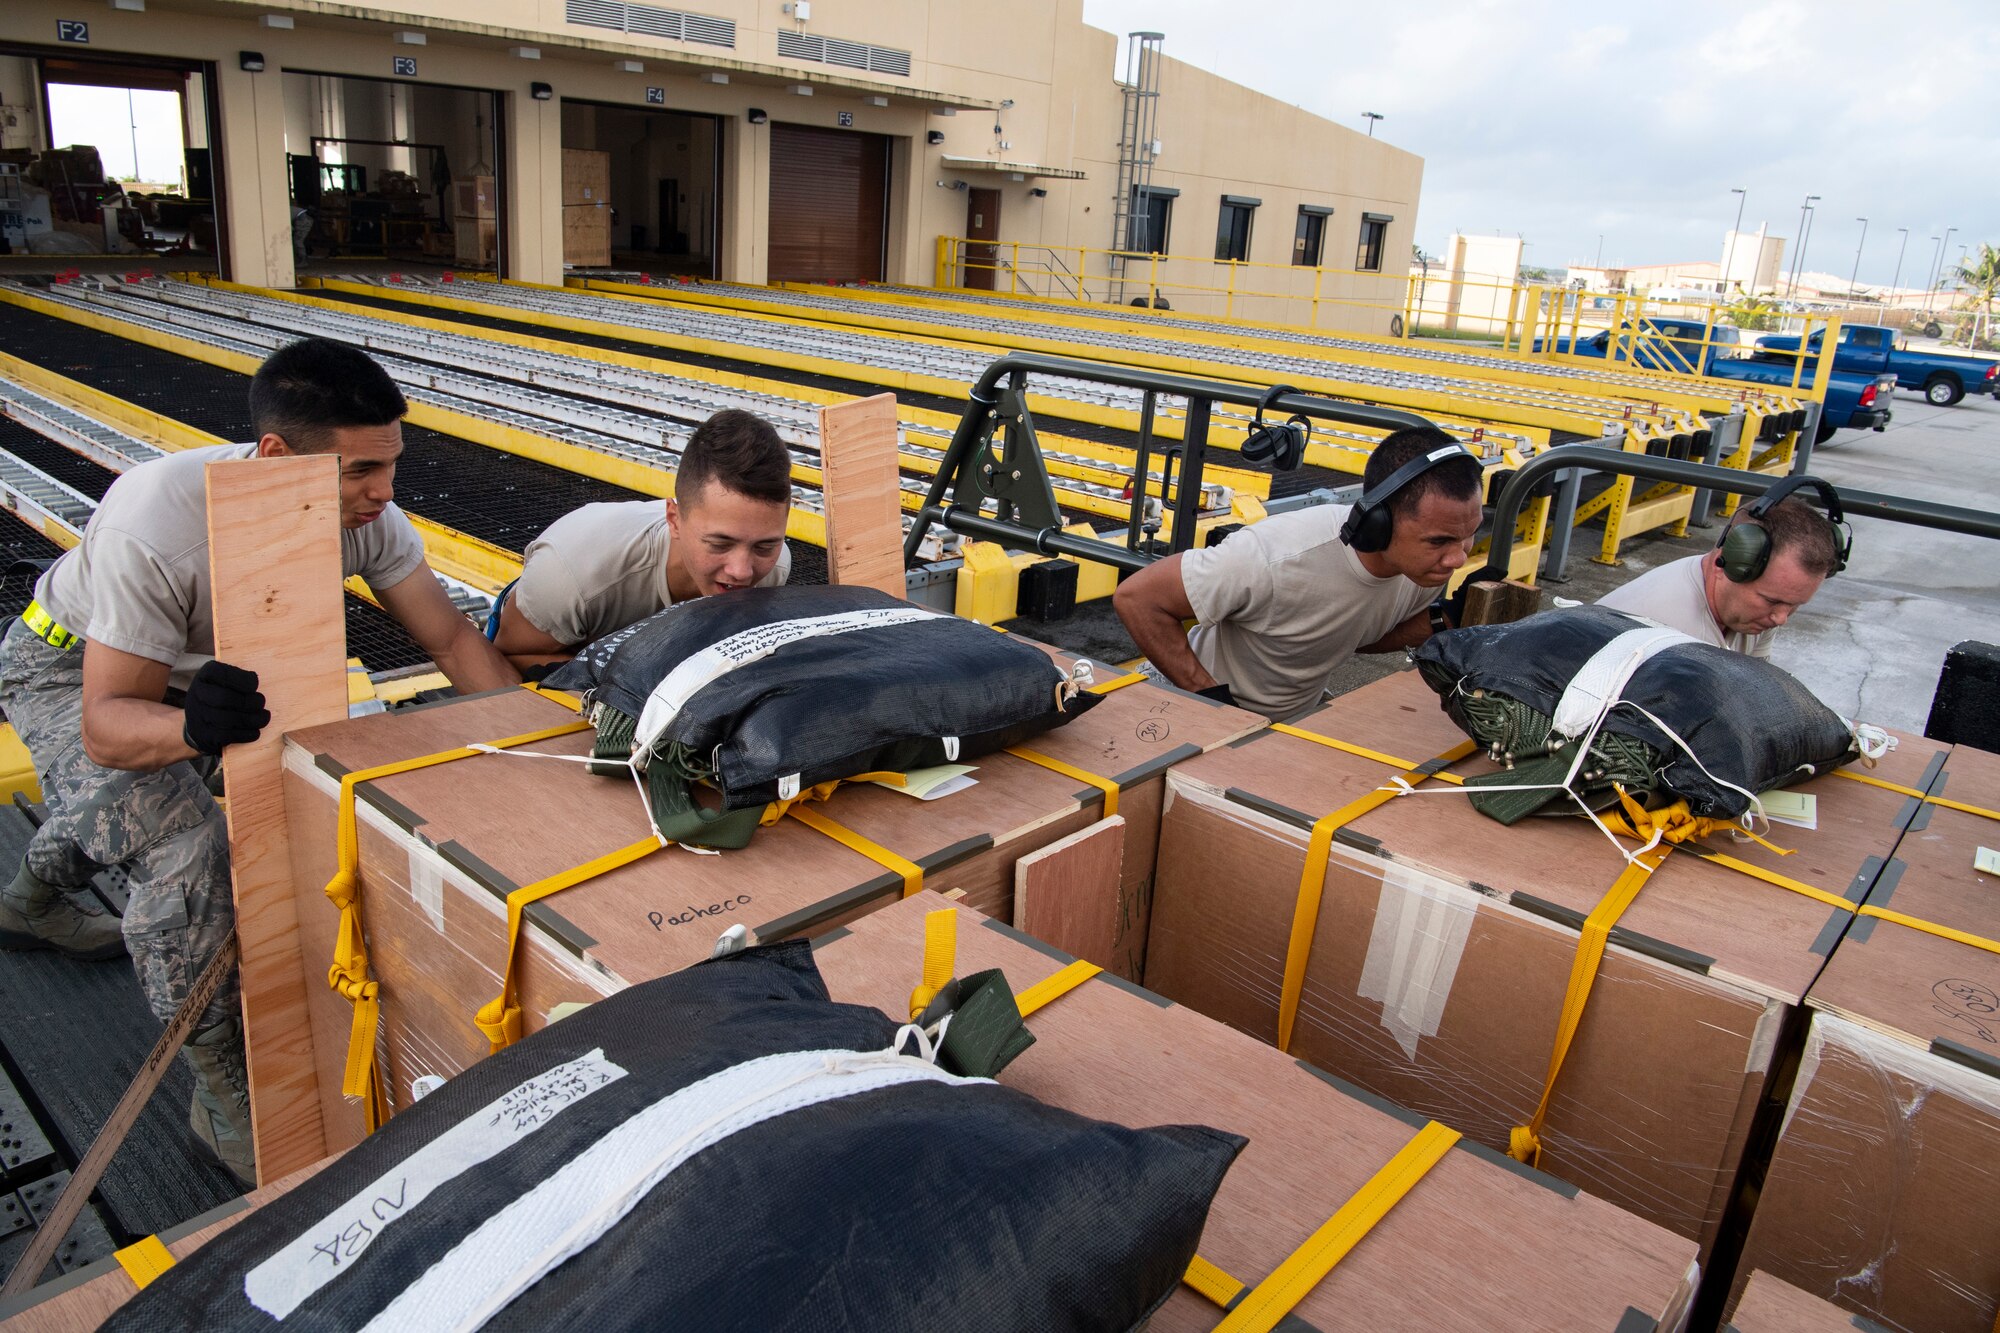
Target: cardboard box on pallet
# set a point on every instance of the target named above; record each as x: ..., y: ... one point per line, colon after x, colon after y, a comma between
x: 1478, y: 1242
x: 440, y: 849
x: 1771, y: 1306
x: 1881, y: 1192
x: 1444, y: 944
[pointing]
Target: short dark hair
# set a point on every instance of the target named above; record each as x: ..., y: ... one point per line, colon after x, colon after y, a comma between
x: 1456, y: 478
x: 1797, y: 527
x: 306, y: 390
x: 742, y: 453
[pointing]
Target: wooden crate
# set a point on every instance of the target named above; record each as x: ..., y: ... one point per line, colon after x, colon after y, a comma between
x: 1881, y: 1195
x: 586, y: 177
x: 1771, y: 1306
x: 587, y: 235
x: 476, y: 242
x: 474, y: 197
x: 1444, y: 944
x: 442, y: 847
x: 1477, y: 1243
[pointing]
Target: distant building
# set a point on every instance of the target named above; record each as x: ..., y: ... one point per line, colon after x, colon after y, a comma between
x: 1751, y: 260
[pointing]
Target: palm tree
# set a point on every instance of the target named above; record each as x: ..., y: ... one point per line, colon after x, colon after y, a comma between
x: 1981, y: 277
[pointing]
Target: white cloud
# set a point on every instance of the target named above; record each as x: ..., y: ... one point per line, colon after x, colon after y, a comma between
x: 1561, y: 119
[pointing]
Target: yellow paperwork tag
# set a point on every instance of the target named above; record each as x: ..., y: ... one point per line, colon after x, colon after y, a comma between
x: 928, y: 784
x: 1792, y: 807
x: 1986, y: 861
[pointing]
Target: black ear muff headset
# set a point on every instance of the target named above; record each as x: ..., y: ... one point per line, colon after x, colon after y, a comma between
x: 1746, y: 544
x: 1284, y: 446
x: 1371, y: 522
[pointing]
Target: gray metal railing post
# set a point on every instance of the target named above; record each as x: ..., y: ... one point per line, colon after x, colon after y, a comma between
x: 1724, y: 436
x: 1562, y: 525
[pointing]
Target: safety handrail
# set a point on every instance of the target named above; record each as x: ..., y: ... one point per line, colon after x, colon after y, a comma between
x: 1868, y: 504
x: 1014, y: 477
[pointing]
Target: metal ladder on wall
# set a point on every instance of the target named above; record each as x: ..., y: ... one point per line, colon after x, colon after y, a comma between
x: 1135, y: 152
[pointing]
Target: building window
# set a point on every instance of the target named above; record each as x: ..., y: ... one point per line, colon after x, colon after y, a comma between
x: 1374, y: 231
x: 1152, y: 210
x: 1309, y: 240
x: 1232, y: 227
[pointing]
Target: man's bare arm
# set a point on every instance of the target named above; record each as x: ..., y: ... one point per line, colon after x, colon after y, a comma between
x: 442, y: 630
x: 125, y: 724
x: 525, y: 645
x: 1406, y: 635
x: 1153, y: 604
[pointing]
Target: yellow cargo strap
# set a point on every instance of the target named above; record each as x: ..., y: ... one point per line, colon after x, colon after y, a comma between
x: 1979, y: 810
x: 1525, y: 1142
x: 940, y: 958
x: 144, y: 1261
x: 47, y: 630
x: 1054, y: 987
x: 348, y: 976
x: 1273, y: 1298
x: 1212, y: 1282
x: 1105, y: 785
x: 500, y: 1018
x: 1360, y: 751
x: 1312, y: 883
x: 912, y: 873
x: 1118, y: 682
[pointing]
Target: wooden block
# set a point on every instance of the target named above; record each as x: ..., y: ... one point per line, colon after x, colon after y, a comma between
x: 274, y: 566
x: 1492, y: 603
x: 1067, y: 893
x: 864, y: 509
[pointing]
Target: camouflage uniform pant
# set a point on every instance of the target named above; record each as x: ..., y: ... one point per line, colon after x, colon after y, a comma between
x: 163, y: 827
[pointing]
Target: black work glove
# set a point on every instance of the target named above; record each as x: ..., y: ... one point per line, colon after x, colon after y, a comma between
x: 534, y: 675
x: 223, y: 708
x: 1219, y: 693
x: 1454, y: 605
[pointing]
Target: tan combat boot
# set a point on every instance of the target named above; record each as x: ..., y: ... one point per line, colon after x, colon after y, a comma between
x: 35, y: 915
x: 220, y: 1115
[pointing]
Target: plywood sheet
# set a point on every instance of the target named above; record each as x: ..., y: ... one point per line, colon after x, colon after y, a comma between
x: 863, y: 491
x: 1475, y: 1244
x: 274, y: 564
x: 1067, y: 893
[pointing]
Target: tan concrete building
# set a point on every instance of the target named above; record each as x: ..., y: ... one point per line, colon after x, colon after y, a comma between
x: 816, y: 139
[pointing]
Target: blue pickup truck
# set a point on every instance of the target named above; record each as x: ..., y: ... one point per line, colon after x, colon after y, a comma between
x: 1870, y: 349
x: 1853, y: 401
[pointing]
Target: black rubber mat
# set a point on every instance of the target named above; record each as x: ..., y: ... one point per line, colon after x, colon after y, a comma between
x: 39, y: 451
x: 18, y: 541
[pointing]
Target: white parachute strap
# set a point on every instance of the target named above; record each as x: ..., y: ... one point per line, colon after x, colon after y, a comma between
x: 630, y: 766
x: 1079, y: 678
x: 1600, y: 682
x: 1870, y: 740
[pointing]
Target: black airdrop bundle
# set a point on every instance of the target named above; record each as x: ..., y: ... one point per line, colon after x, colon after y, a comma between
x: 768, y: 692
x: 722, y: 1149
x: 1693, y: 721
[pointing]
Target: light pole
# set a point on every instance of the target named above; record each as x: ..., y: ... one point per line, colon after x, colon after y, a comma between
x: 1371, y: 117
x: 1857, y: 257
x: 1927, y: 276
x: 1600, y: 252
x: 1729, y: 251
x: 1798, y: 259
x: 1937, y: 267
x: 1899, y: 265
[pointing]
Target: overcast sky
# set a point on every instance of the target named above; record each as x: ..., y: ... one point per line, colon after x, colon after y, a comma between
x: 1564, y: 120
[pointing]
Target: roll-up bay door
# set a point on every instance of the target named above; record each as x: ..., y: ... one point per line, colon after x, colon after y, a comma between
x: 829, y: 205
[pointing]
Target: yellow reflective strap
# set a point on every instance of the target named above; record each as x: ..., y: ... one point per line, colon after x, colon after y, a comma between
x: 1105, y: 785
x: 144, y: 1261
x: 1273, y: 1298
x: 1525, y: 1143
x: 348, y: 976
x: 47, y: 630
x: 500, y: 1018
x: 1932, y: 928
x: 1212, y: 1282
x: 1052, y: 988
x: 567, y: 700
x: 1979, y: 810
x: 1780, y: 881
x: 912, y: 873
x: 1312, y: 883
x: 940, y: 958
x: 1360, y: 751
x: 1117, y: 683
